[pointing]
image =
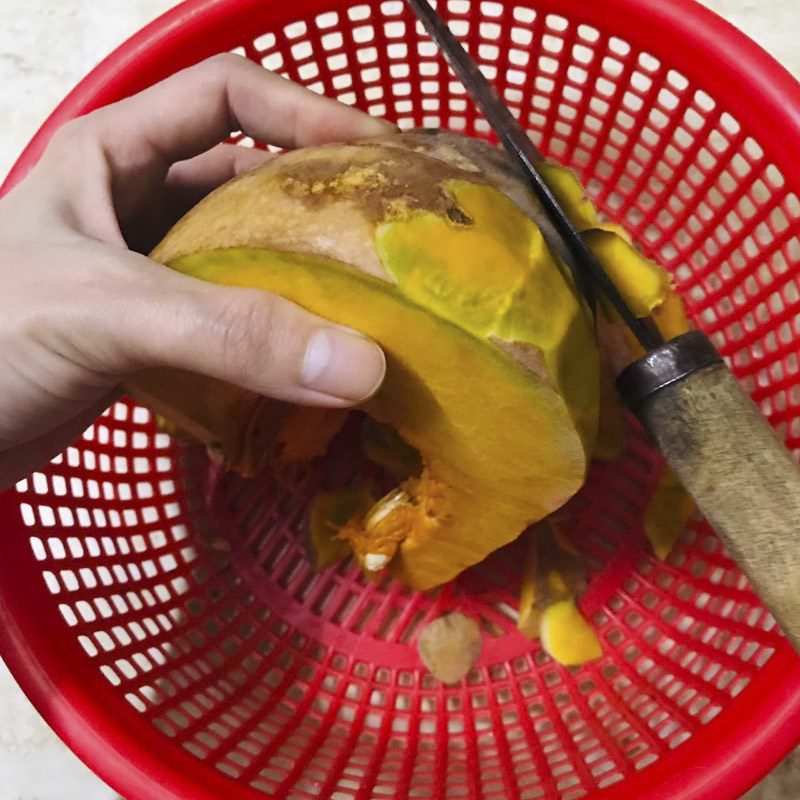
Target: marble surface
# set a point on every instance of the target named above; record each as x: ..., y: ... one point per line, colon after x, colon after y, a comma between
x: 45, y: 47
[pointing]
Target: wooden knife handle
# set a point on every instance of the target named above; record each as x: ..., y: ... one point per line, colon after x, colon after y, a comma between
x: 741, y: 476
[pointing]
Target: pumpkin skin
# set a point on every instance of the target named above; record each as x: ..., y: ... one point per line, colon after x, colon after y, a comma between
x: 429, y: 244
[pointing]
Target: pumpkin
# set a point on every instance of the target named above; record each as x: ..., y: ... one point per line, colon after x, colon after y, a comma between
x: 431, y: 244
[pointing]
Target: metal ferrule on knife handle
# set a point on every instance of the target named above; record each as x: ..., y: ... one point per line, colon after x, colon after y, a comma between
x: 742, y: 477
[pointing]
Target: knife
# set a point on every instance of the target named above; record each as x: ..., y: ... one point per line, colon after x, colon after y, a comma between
x: 709, y: 431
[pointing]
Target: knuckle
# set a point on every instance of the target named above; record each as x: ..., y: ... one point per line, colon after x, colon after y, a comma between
x: 220, y: 66
x: 246, y: 324
x: 74, y: 146
x: 71, y: 134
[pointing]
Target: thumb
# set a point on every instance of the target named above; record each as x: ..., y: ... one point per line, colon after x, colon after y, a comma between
x: 250, y: 338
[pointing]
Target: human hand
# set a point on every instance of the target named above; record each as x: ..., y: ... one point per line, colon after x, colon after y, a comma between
x: 79, y: 310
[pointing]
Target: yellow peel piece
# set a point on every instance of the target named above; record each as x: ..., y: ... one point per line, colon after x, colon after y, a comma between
x: 667, y: 514
x: 671, y: 317
x: 643, y: 284
x: 571, y: 195
x: 567, y: 637
x: 612, y: 227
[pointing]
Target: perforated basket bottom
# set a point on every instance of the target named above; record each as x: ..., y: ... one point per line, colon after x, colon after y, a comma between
x: 212, y: 622
x: 300, y: 685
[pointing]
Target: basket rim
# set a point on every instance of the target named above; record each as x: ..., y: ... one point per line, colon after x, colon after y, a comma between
x: 731, y: 753
x: 731, y: 62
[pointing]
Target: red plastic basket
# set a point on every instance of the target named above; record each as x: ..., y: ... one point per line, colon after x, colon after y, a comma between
x: 177, y: 668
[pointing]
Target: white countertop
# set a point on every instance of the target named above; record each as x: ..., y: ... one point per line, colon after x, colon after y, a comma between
x: 46, y: 46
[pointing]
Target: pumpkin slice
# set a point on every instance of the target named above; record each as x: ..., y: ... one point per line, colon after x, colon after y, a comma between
x: 494, y: 462
x: 430, y: 244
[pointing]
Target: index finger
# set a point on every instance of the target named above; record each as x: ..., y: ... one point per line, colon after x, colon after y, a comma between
x: 199, y: 107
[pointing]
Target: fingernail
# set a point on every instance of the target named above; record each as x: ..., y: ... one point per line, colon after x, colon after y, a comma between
x: 374, y: 126
x: 342, y: 364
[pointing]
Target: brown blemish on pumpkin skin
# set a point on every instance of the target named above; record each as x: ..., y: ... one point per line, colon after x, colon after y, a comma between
x: 398, y: 209
x: 527, y: 355
x: 351, y: 180
x: 458, y: 216
x: 388, y: 188
x: 466, y: 154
